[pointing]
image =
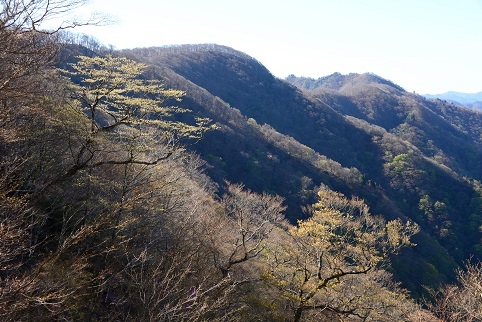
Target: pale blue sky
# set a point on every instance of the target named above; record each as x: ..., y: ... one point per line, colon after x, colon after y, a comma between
x: 427, y: 46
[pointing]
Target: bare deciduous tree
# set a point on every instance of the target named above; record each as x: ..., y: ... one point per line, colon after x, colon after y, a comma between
x: 250, y: 218
x: 461, y: 301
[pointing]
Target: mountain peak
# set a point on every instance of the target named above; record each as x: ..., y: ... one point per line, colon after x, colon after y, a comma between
x: 338, y: 81
x: 189, y: 48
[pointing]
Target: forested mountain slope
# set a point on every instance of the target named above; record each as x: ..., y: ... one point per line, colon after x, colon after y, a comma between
x: 439, y: 129
x: 122, y: 195
x: 358, y: 134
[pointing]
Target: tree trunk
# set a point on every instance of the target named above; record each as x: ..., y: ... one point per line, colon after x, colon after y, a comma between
x: 298, y: 313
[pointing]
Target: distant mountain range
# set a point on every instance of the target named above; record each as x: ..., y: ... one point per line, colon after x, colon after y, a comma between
x: 472, y: 100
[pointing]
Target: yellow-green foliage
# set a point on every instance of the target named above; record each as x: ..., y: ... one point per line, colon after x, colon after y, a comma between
x: 331, y: 261
x: 112, y: 92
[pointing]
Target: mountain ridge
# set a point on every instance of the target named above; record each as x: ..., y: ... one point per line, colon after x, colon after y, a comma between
x: 406, y: 156
x: 471, y: 100
x: 337, y: 81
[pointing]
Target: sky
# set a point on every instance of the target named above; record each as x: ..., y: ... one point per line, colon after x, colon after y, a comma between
x: 425, y: 46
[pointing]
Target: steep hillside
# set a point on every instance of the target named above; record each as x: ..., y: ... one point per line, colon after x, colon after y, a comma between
x: 246, y: 85
x: 358, y: 134
x: 187, y: 183
x: 442, y: 131
x: 249, y: 147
